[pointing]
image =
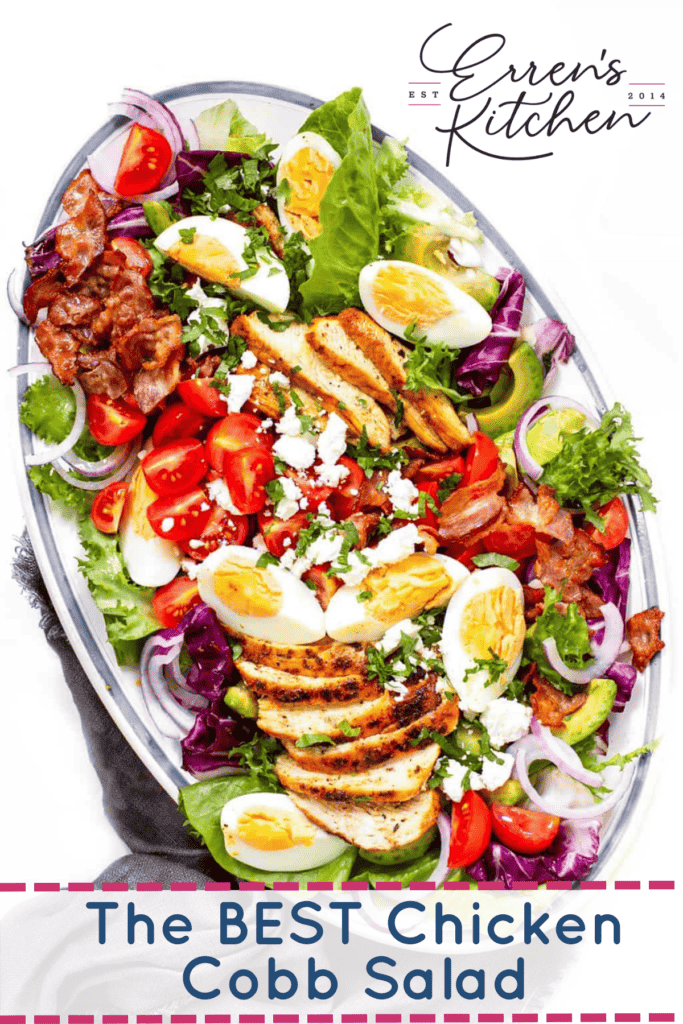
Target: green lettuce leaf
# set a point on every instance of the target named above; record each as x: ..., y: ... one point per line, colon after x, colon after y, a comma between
x: 47, y: 480
x: 224, y: 127
x: 349, y: 217
x: 127, y: 607
x: 333, y: 119
x: 48, y: 408
x: 571, y: 635
x: 202, y: 803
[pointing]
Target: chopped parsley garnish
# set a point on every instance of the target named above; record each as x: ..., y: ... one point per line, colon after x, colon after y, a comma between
x: 448, y: 485
x: 258, y: 756
x: 494, y: 665
x: 595, y: 466
x: 365, y: 595
x: 275, y: 490
x: 311, y: 739
x: 265, y: 560
x: 400, y: 408
x: 491, y: 558
x: 187, y: 235
x: 370, y: 458
x: 429, y: 366
x: 412, y: 653
x: 348, y: 729
x: 279, y: 395
x: 240, y: 188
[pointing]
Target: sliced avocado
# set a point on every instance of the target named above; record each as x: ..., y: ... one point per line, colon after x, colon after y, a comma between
x: 428, y: 247
x: 411, y: 851
x: 506, y: 453
x: 511, y: 792
x: 589, y: 717
x: 526, y: 387
x: 157, y: 216
x: 240, y: 699
x: 468, y: 736
x: 546, y: 438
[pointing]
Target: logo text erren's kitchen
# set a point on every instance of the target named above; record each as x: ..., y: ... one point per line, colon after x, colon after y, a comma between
x: 511, y: 114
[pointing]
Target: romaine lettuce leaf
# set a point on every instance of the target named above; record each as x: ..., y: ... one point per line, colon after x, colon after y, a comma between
x: 127, y: 607
x: 202, y: 803
x: 349, y: 216
x: 224, y: 127
x: 333, y: 119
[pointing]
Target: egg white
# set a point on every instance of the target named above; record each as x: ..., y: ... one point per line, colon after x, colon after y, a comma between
x: 473, y: 692
x: 269, y: 286
x: 300, y: 619
x: 299, y: 857
x: 466, y: 323
x: 298, y: 142
x: 150, y: 560
x: 348, y: 620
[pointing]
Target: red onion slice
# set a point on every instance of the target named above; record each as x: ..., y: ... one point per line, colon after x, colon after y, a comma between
x: 97, y: 485
x: 16, y: 371
x: 561, y: 811
x: 55, y: 451
x: 440, y: 872
x: 155, y: 651
x: 561, y: 754
x: 133, y: 114
x: 472, y: 423
x: 164, y: 117
x: 527, y: 462
x: 604, y: 654
x: 109, y: 464
x: 14, y: 297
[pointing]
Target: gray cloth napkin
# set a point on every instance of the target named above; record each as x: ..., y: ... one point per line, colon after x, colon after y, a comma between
x: 141, y: 812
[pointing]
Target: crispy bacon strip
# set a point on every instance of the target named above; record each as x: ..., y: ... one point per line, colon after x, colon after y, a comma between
x: 642, y: 630
x: 550, y: 705
x: 41, y: 292
x: 542, y: 512
x: 567, y: 567
x: 365, y: 523
x: 102, y: 375
x: 325, y: 586
x: 76, y: 195
x: 80, y: 240
x: 60, y: 348
x: 468, y: 510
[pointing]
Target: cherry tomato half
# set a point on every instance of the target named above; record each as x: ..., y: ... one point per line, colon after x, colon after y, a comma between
x: 176, y: 422
x: 441, y: 469
x: 137, y: 257
x: 281, y: 534
x: 113, y: 421
x: 481, y: 459
x: 312, y: 490
x: 146, y: 158
x: 246, y: 472
x: 470, y: 830
x: 430, y: 518
x: 108, y: 505
x: 521, y: 830
x: 176, y: 467
x: 181, y: 516
x: 344, y: 500
x: 200, y: 394
x: 221, y: 527
x: 238, y: 430
x: 616, y: 525
x: 172, y: 602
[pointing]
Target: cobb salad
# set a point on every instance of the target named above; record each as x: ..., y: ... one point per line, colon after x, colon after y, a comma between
x: 373, y: 567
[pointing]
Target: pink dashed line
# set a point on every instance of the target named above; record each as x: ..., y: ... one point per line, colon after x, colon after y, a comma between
x: 12, y: 886
x: 81, y: 1018
x: 252, y: 887
x: 627, y: 885
x: 183, y: 1018
x: 422, y: 886
x: 593, y: 885
x: 81, y: 886
x: 149, y: 887
x: 525, y: 885
x: 596, y: 1018
x: 558, y: 1018
x: 48, y: 1018
x: 319, y: 1018
x: 252, y: 1018
x: 627, y: 1018
x: 115, y: 1018
x: 149, y: 1018
x: 286, y: 886
x: 354, y: 886
x: 661, y: 885
x: 661, y: 1017
x: 319, y: 887
x: 524, y: 1018
x: 354, y: 1018
x: 285, y: 1018
x: 490, y: 1018
x: 218, y: 887
x: 115, y: 887
x: 456, y: 1018
x: 217, y: 1018
x: 422, y: 1018
x: 183, y: 886
x: 389, y: 1018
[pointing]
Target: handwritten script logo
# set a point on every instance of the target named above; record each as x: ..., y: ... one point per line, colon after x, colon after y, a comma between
x: 488, y: 107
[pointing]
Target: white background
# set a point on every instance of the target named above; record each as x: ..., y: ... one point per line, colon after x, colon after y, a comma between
x: 599, y: 224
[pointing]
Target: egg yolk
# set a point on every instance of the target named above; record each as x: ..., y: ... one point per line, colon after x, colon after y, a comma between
x: 493, y: 621
x: 402, y: 294
x: 209, y: 258
x: 404, y: 589
x: 308, y: 174
x: 247, y: 590
x: 260, y: 828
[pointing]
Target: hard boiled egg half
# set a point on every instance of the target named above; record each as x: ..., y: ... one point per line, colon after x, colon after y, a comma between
x: 484, y: 621
x: 391, y: 593
x: 402, y: 296
x: 266, y: 602
x: 267, y: 831
x: 307, y: 165
x: 214, y: 249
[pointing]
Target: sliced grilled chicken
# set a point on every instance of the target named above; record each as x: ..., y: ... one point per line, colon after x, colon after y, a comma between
x: 327, y: 658
x: 334, y: 346
x: 359, y: 755
x: 393, y: 782
x: 292, y: 720
x: 374, y: 826
x: 286, y: 687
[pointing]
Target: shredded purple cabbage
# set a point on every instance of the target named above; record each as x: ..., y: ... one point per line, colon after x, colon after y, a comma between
x: 192, y: 166
x: 613, y: 577
x: 570, y: 858
x: 482, y: 364
x: 625, y: 677
x: 42, y: 256
x: 130, y: 223
x: 554, y: 345
x: 215, y: 731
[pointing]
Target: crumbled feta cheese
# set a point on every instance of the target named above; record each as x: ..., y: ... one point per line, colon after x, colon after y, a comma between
x: 248, y: 360
x: 190, y: 568
x: 402, y: 492
x: 194, y: 544
x: 303, y: 502
x: 266, y: 425
x: 324, y: 511
x: 241, y: 386
x: 220, y: 493
x: 204, y: 301
x: 452, y: 785
x: 289, y: 505
x: 392, y: 637
x: 397, y: 687
x: 295, y: 451
x: 167, y: 524
x: 287, y: 542
x: 506, y: 721
x: 354, y: 491
x: 324, y: 549
x: 331, y: 476
x: 288, y: 559
x: 204, y: 507
x: 394, y: 547
x: 332, y: 441
x: 493, y: 774
x: 278, y: 378
x: 289, y: 424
